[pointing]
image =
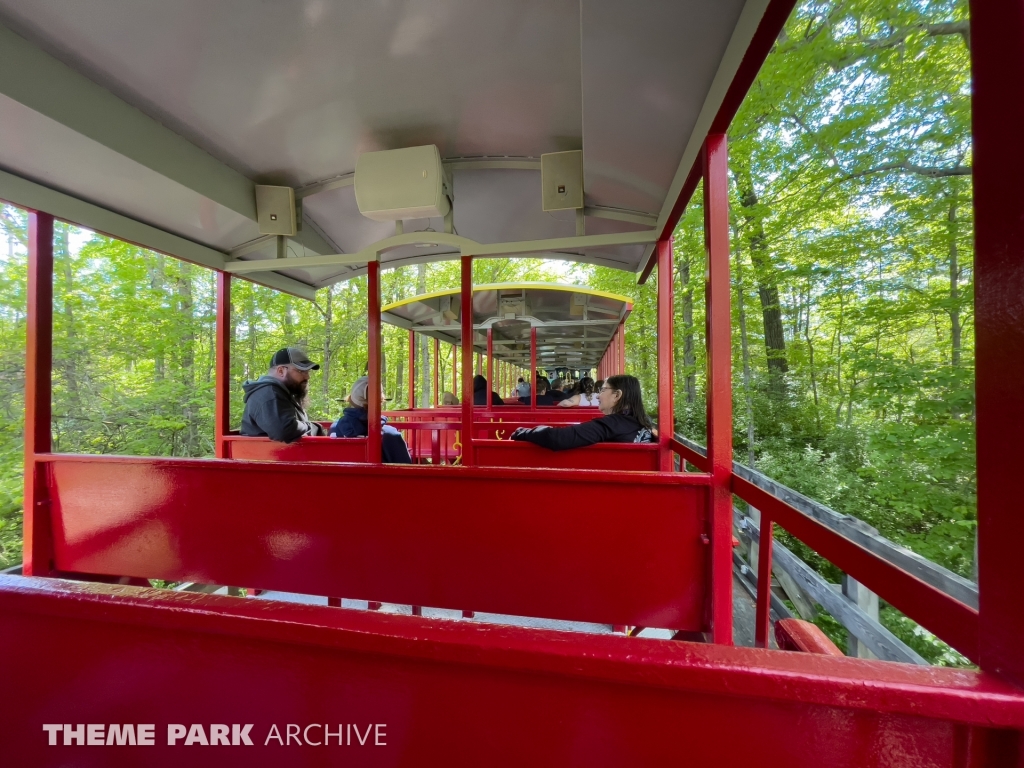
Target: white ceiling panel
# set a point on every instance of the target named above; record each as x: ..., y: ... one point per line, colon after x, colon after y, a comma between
x: 292, y: 91
x: 171, y: 109
x: 40, y: 149
x: 647, y: 68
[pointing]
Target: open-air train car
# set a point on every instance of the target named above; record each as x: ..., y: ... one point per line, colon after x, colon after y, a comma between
x: 154, y: 121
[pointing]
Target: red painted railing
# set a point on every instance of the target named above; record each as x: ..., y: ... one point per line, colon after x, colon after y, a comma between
x: 625, y: 549
x: 89, y: 653
x: 950, y: 619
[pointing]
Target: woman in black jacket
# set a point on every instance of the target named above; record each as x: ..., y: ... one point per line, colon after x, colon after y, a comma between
x: 480, y: 390
x: 624, y: 420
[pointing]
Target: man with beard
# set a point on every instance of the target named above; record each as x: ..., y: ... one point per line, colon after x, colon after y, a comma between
x: 274, y: 402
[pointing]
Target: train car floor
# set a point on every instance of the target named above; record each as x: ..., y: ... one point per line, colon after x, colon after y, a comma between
x: 743, y: 616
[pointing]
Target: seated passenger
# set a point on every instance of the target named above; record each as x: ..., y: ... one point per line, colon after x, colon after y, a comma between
x: 274, y: 403
x: 480, y: 390
x: 543, y: 396
x: 585, y: 395
x: 448, y: 398
x: 624, y: 421
x: 354, y: 422
x: 556, y: 391
x: 522, y: 389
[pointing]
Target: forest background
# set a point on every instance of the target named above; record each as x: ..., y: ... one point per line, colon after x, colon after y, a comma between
x: 852, y: 253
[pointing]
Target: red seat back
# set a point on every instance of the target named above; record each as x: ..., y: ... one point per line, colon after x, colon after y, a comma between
x: 613, y: 548
x: 305, y: 449
x: 619, y: 457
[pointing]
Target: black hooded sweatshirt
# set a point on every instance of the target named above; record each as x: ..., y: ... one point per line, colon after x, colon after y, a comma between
x: 480, y: 393
x: 616, y: 428
x: 271, y: 410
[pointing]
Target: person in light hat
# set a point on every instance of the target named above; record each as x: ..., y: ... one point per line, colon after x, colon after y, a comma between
x: 273, y: 403
x: 354, y: 422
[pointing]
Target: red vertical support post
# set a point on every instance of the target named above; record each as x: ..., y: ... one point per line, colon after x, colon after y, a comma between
x: 373, y: 343
x: 437, y: 368
x: 997, y: 55
x: 38, y: 546
x: 762, y: 611
x: 412, y: 370
x: 719, y: 398
x: 609, y: 356
x: 665, y: 354
x: 490, y: 364
x: 222, y: 374
x: 466, y: 315
x: 533, y: 366
x: 622, y: 348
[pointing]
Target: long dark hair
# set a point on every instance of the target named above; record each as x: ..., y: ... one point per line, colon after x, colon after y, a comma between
x: 585, y: 386
x: 631, y: 403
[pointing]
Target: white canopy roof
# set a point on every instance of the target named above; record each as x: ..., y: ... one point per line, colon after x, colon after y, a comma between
x: 574, y: 324
x: 152, y: 120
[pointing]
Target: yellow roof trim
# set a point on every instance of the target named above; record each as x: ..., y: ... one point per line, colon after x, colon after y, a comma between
x: 512, y: 287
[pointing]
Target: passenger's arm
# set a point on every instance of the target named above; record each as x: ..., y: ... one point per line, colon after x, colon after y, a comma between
x: 347, y: 428
x: 277, y: 419
x: 564, y: 438
x: 569, y: 402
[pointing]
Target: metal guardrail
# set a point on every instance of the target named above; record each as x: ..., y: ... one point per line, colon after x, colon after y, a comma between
x: 859, y: 532
x: 883, y: 643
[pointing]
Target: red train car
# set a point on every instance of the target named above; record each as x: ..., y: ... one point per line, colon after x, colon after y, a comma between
x: 149, y: 122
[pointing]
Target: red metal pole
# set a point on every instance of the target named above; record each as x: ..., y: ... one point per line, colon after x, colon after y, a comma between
x: 437, y: 368
x: 616, y: 363
x: 222, y: 405
x: 622, y: 348
x: 412, y: 370
x: 373, y: 343
x: 997, y: 54
x: 719, y: 397
x: 38, y: 546
x: 615, y: 353
x: 490, y: 364
x: 466, y: 316
x: 533, y: 366
x: 762, y: 615
x: 665, y: 354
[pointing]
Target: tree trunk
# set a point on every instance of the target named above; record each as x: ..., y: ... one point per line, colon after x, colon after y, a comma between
x: 156, y: 283
x: 689, y: 358
x: 325, y: 366
x: 956, y: 327
x: 767, y: 288
x: 745, y: 349
x: 186, y: 343
x: 70, y: 361
x: 810, y: 361
x: 426, y: 398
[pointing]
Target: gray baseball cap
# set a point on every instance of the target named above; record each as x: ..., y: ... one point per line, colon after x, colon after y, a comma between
x: 293, y: 356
